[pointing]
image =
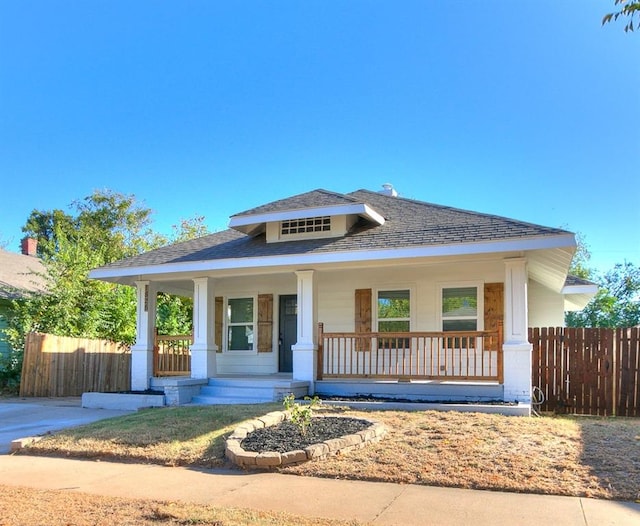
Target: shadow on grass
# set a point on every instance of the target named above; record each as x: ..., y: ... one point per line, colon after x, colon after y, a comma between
x: 611, y: 450
x: 174, y: 436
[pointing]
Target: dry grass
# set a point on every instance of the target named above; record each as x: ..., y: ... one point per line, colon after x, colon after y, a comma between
x: 579, y: 456
x: 60, y: 508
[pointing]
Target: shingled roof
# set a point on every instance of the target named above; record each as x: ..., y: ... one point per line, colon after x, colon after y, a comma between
x: 19, y: 274
x: 408, y: 224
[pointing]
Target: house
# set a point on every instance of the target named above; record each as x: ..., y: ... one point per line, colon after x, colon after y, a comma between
x: 20, y: 274
x: 359, y: 293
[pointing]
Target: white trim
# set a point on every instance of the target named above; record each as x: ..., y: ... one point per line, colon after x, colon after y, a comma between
x: 479, y: 286
x: 237, y: 222
x: 564, y: 240
x: 580, y: 289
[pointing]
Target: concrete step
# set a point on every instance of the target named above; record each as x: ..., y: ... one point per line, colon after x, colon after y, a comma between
x: 248, y: 390
x: 226, y: 400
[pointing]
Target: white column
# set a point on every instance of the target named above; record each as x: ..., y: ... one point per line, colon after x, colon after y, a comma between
x: 305, y: 350
x: 203, y: 349
x: 142, y: 351
x: 516, y: 348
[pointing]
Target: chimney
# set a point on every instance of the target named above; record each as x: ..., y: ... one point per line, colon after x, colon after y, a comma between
x: 388, y: 189
x: 30, y: 246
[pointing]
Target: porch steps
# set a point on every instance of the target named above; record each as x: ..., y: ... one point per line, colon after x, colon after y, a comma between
x: 248, y: 390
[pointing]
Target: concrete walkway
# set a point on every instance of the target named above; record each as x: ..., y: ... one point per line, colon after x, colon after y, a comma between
x: 24, y: 417
x: 368, y: 502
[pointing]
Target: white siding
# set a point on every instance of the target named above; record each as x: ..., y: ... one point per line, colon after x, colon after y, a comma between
x: 546, y: 307
x: 336, y: 290
x: 252, y: 362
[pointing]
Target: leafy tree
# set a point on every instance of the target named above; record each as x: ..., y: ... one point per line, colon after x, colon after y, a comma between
x: 190, y: 228
x: 617, y: 303
x: 580, y: 263
x: 629, y: 9
x: 104, y: 227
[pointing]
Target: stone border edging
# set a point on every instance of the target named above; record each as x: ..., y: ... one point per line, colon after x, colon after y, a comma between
x: 272, y: 459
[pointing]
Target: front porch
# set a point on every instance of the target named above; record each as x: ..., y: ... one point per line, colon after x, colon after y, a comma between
x: 443, y: 365
x: 464, y: 366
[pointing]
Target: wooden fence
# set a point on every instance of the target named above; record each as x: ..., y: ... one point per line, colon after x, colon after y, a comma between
x: 60, y: 366
x: 587, y: 371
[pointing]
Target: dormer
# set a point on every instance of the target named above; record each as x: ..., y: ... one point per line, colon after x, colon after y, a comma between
x: 325, y: 215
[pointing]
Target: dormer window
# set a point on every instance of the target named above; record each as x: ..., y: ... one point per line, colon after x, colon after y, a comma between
x: 314, y: 215
x: 305, y: 225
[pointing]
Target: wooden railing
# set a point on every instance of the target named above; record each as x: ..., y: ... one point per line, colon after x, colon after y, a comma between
x: 172, y: 355
x: 470, y: 355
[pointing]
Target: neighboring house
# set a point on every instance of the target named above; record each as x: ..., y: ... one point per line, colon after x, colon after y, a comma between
x: 361, y: 293
x: 20, y: 274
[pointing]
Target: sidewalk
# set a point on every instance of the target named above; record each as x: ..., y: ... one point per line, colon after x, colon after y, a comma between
x: 368, y: 502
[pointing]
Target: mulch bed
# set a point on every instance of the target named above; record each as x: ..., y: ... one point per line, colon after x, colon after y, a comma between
x: 286, y: 436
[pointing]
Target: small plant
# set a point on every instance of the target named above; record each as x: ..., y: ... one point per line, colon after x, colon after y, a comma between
x: 301, y: 413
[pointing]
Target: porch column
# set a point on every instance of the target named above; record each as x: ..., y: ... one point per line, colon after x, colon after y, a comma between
x: 203, y: 350
x: 142, y: 350
x: 516, y: 348
x: 305, y: 350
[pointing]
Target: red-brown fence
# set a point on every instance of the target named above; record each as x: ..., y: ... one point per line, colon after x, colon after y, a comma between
x: 587, y: 371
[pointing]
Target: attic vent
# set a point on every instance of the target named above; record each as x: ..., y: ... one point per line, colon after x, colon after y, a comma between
x: 306, y: 225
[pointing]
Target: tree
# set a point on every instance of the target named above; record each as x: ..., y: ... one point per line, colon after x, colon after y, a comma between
x: 617, y: 303
x: 107, y: 226
x: 580, y: 262
x: 629, y: 9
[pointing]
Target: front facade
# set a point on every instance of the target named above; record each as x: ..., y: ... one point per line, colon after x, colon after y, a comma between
x: 361, y: 293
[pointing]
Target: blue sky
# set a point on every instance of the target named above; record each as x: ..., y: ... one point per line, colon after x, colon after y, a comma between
x: 525, y: 109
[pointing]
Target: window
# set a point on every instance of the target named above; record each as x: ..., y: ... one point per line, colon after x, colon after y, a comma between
x: 394, y: 311
x: 240, y: 324
x: 394, y: 315
x: 460, y: 313
x: 306, y: 225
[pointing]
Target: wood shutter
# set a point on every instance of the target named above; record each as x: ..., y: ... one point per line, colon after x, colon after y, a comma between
x: 265, y: 323
x: 493, y: 309
x: 363, y: 317
x: 219, y: 313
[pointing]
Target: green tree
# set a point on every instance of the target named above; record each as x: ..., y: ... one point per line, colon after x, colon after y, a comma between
x: 580, y: 262
x: 617, y: 303
x: 190, y: 228
x: 103, y: 227
x: 626, y: 9
x: 107, y: 226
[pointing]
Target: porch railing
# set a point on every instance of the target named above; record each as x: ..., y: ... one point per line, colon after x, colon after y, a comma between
x: 172, y: 355
x: 468, y: 355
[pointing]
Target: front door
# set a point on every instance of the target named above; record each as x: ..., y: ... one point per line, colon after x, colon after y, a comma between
x: 288, y: 334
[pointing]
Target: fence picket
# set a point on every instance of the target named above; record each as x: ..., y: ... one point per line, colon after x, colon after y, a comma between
x: 591, y: 371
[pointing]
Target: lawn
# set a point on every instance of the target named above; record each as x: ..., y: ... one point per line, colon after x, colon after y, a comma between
x: 577, y: 456
x: 64, y: 508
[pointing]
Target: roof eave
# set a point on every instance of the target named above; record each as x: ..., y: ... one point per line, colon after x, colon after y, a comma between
x: 323, y: 258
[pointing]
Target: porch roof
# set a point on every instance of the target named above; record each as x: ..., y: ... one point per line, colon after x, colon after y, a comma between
x: 411, y: 228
